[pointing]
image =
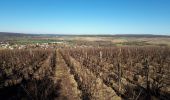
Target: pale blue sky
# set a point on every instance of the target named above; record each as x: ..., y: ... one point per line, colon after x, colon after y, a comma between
x: 85, y: 16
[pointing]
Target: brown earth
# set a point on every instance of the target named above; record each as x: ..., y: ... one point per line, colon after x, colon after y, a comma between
x: 68, y: 86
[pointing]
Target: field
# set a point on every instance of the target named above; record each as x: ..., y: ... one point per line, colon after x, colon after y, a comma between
x: 85, y: 67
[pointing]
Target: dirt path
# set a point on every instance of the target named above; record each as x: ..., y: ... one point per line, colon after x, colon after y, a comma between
x: 68, y: 86
x: 92, y: 87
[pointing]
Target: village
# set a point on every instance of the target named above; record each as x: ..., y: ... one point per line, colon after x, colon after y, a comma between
x: 50, y: 45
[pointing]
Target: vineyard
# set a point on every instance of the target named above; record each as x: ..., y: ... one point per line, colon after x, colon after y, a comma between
x: 105, y: 73
x: 132, y: 72
x: 26, y: 74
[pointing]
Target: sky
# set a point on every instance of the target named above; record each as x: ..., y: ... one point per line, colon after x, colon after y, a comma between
x: 85, y: 16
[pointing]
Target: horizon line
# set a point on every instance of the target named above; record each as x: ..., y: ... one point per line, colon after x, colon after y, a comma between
x: 45, y: 33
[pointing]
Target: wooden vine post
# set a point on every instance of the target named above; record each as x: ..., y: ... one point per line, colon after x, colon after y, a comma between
x: 101, y: 54
x: 119, y: 69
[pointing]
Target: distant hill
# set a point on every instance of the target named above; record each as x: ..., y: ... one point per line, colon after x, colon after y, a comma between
x: 11, y: 35
x: 126, y: 35
x: 8, y: 34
